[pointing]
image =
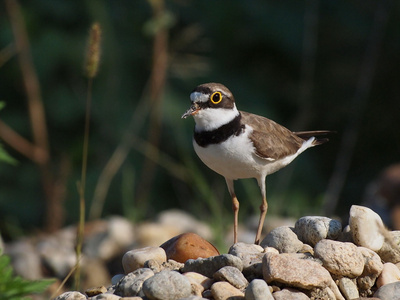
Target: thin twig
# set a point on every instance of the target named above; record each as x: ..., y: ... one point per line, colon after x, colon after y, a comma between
x: 22, y: 145
x: 157, y: 82
x: 36, y: 114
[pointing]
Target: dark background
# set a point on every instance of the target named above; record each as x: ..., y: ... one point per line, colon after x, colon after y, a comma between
x: 305, y: 64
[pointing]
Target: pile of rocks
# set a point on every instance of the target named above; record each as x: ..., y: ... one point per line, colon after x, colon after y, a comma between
x: 315, y: 259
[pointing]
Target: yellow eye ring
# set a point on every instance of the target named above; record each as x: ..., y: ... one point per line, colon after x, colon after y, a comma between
x: 216, y: 97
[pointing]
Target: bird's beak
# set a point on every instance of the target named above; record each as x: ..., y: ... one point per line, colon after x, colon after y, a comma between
x: 194, y: 109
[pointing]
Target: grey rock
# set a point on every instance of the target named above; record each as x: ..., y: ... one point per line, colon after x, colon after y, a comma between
x: 167, y: 285
x: 389, y: 291
x: 231, y: 275
x: 251, y: 256
x: 131, y: 284
x: 170, y: 265
x: 116, y: 278
x: 208, y: 266
x: 288, y: 269
x: 290, y: 294
x: 258, y: 290
x: 372, y: 269
x: 312, y: 229
x: 71, y: 296
x: 348, y: 288
x: 342, y: 259
x: 192, y: 297
x: 283, y: 239
x: 390, y: 251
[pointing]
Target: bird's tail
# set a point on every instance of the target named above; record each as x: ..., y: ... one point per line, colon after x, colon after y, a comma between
x: 305, y: 135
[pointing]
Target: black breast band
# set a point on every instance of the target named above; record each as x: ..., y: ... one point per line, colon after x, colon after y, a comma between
x: 216, y: 136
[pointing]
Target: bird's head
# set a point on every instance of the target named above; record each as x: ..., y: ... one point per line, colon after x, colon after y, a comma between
x: 212, y: 105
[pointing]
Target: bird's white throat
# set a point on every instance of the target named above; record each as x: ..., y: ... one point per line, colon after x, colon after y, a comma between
x: 208, y: 119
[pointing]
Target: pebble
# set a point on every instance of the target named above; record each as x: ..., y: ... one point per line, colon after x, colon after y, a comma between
x: 283, y: 239
x: 208, y: 266
x: 71, y: 296
x: 246, y: 271
x: 342, y: 259
x: 188, y: 246
x: 348, y: 288
x: 389, y: 291
x: 251, y: 256
x: 167, y: 285
x: 131, y: 284
x: 366, y: 227
x: 290, y: 294
x: 390, y: 251
x: 233, y: 276
x: 223, y: 291
x: 112, y: 297
x: 199, y: 282
x: 312, y: 229
x: 156, y: 267
x: 258, y: 290
x: 390, y: 274
x: 288, y: 269
x: 95, y: 291
x: 135, y: 259
x: 372, y: 268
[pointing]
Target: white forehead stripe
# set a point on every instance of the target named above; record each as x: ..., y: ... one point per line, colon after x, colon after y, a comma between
x: 198, y: 97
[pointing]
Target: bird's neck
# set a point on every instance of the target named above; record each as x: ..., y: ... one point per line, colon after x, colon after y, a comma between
x: 220, y: 134
x: 213, y: 118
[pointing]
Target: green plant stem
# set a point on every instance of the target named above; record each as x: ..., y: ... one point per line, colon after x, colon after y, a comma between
x: 82, y: 185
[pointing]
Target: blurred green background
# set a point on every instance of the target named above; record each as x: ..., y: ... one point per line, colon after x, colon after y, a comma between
x: 306, y: 64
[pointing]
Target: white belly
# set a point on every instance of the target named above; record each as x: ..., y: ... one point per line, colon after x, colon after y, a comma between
x: 235, y: 158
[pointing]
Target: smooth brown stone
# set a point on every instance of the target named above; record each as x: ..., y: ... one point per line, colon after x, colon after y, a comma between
x: 188, y: 246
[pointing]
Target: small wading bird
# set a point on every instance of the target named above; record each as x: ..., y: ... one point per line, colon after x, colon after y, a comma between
x: 238, y: 144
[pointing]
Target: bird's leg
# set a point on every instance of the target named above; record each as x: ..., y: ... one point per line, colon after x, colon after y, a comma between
x: 235, y: 208
x: 263, y: 210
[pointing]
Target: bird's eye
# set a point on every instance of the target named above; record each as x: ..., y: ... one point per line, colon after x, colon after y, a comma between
x: 216, y: 97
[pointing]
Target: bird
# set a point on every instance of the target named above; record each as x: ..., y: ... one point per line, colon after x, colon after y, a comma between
x: 237, y: 144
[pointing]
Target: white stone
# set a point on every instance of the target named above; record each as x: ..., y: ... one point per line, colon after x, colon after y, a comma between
x: 366, y: 227
x: 348, y: 288
x: 135, y: 259
x: 390, y: 274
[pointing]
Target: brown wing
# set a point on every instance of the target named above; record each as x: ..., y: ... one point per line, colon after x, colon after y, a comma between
x: 271, y: 140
